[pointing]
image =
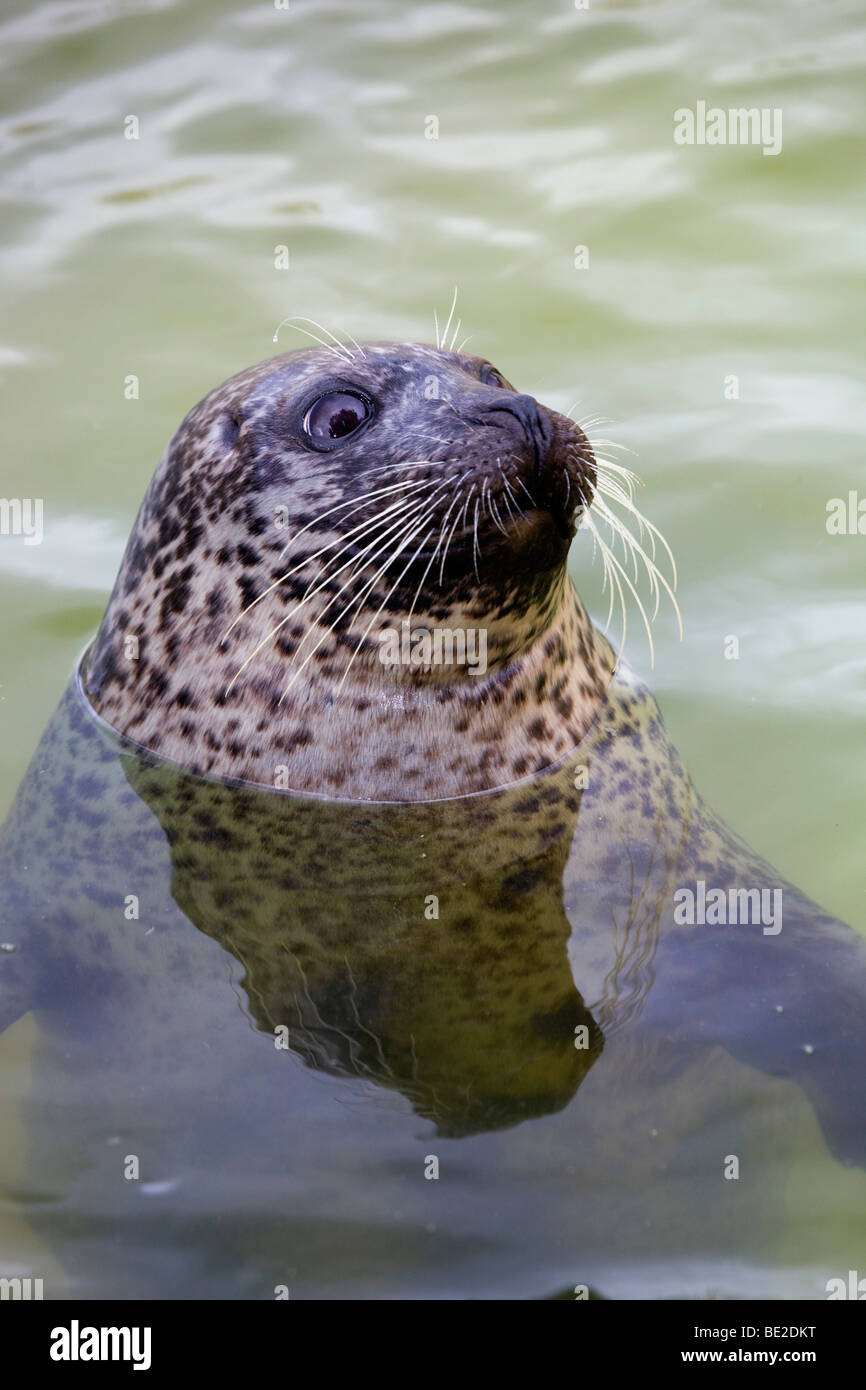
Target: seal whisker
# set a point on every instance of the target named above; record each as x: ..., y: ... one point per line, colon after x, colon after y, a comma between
x: 588, y: 422
x: 611, y: 576
x: 655, y: 575
x: 644, y: 526
x: 432, y: 559
x: 511, y: 494
x: 394, y: 516
x: 613, y: 479
x: 610, y: 489
x: 398, y: 519
x: 628, y: 477
x: 440, y: 342
x: 619, y: 532
x: 618, y: 566
x: 476, y: 551
x: 355, y: 600
x: 395, y: 509
x: 341, y: 351
x: 389, y: 593
x: 356, y: 569
x: 607, y: 581
x: 404, y: 523
x: 611, y: 444
x: 346, y: 334
x: 415, y: 508
x: 397, y: 505
x: 528, y: 493
x: 426, y: 434
x: 447, y: 543
x: 413, y: 463
x: 339, y: 345
x: 354, y: 503
x: 466, y: 505
x: 487, y: 502
x: 495, y: 512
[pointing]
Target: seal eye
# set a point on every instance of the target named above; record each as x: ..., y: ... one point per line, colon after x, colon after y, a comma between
x: 491, y: 377
x: 334, y: 416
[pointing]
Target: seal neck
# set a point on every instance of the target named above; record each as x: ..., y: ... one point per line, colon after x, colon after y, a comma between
x: 402, y: 734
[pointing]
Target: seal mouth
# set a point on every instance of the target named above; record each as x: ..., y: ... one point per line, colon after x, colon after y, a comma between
x: 540, y: 515
x: 536, y: 528
x: 528, y: 521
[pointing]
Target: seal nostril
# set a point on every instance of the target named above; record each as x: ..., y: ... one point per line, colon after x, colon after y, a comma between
x: 535, y: 424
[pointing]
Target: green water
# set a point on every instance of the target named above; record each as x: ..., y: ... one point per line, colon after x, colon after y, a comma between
x: 261, y: 128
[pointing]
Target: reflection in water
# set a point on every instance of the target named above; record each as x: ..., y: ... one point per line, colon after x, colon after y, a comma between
x: 421, y: 947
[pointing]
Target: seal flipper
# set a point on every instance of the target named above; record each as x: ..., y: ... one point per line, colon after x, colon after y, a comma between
x: 818, y: 1034
x: 782, y: 989
x: 791, y: 1005
x: 16, y: 983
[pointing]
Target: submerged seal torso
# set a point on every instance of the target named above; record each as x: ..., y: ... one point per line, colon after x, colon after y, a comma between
x: 484, y: 1030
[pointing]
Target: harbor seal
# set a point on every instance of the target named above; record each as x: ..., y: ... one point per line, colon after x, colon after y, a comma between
x: 487, y: 903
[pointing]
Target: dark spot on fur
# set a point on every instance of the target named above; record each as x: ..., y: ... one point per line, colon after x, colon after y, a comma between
x: 247, y: 555
x: 521, y: 882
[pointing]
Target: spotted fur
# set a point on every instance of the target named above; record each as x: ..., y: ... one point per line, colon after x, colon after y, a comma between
x: 207, y: 577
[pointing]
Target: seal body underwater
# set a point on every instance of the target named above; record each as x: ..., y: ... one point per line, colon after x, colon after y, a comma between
x: 360, y: 942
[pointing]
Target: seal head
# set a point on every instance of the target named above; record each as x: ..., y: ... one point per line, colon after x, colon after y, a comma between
x: 348, y: 577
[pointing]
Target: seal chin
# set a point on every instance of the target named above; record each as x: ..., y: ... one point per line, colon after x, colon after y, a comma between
x: 562, y: 490
x: 542, y: 528
x: 535, y: 541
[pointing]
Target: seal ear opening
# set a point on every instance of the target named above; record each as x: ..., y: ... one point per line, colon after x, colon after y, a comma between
x: 231, y: 428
